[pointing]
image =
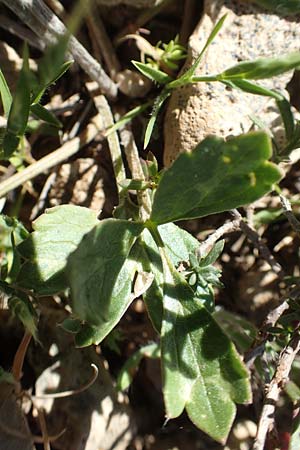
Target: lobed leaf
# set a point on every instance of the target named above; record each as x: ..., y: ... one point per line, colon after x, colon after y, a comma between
x: 215, y: 177
x: 57, y: 233
x: 179, y: 244
x: 202, y: 371
x: 100, y: 273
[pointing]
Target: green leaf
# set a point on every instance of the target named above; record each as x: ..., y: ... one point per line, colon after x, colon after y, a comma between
x: 261, y: 68
x: 202, y: 371
x: 252, y: 88
x: 130, y: 115
x: 19, y: 110
x: 57, y: 233
x: 284, y: 7
x: 213, y: 255
x: 187, y: 76
x: 42, y: 113
x: 149, y: 71
x: 100, y: 274
x: 159, y: 101
x: 125, y: 376
x: 6, y: 96
x: 238, y: 329
x: 22, y: 308
x: 179, y: 244
x: 215, y: 177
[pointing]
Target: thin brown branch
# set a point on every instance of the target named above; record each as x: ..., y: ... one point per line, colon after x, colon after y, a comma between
x: 258, y: 243
x: 71, y: 392
x: 46, y: 24
x: 103, y: 42
x: 133, y: 159
x: 285, y: 362
x: 21, y: 32
x: 272, y: 318
x: 53, y: 159
x: 228, y: 227
x: 288, y: 212
x: 44, y: 430
x: 20, y: 356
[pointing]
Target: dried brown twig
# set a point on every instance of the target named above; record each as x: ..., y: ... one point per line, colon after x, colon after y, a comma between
x: 288, y: 212
x: 285, y: 362
x: 46, y: 24
x: 256, y: 240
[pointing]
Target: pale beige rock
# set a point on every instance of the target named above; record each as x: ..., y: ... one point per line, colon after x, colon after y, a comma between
x: 196, y: 111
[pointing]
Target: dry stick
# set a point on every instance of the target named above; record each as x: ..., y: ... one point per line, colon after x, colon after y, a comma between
x: 256, y: 240
x: 133, y: 159
x: 272, y: 318
x: 142, y: 19
x: 285, y: 362
x: 45, y: 23
x: 113, y: 140
x: 46, y: 440
x: 21, y: 32
x: 228, y: 227
x: 20, y: 356
x: 54, y: 158
x: 103, y: 41
x: 288, y: 212
x: 135, y: 3
x: 71, y: 392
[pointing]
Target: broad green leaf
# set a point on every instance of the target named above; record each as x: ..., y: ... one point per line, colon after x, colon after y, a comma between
x: 57, y: 233
x: 159, y: 101
x: 179, y: 244
x: 100, y: 273
x: 155, y: 75
x: 202, y: 372
x: 19, y: 110
x: 187, y: 76
x: 261, y: 68
x: 284, y: 7
x: 125, y: 376
x: 215, y: 177
x: 6, y: 96
x: 42, y: 113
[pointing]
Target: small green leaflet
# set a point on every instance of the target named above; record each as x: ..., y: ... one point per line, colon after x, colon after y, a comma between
x: 100, y: 273
x: 202, y: 371
x: 154, y: 74
x: 215, y: 177
x: 57, y: 233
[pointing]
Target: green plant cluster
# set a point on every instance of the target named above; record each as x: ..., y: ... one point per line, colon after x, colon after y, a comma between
x: 97, y: 262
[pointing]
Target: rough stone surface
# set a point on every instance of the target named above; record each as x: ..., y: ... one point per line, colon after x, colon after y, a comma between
x: 196, y: 111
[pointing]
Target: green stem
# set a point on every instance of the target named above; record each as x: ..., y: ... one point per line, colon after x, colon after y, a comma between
x: 153, y: 228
